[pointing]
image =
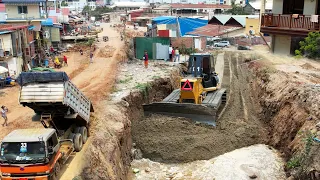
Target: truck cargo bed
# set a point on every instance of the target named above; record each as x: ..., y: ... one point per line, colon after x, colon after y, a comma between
x: 59, y: 97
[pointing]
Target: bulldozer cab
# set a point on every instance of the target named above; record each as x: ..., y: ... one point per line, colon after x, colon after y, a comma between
x: 201, y: 64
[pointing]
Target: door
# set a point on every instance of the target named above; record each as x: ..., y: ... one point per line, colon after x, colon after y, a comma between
x: 293, y: 6
x: 197, y: 43
x: 162, y: 51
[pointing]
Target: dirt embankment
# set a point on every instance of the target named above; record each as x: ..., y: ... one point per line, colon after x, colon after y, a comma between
x: 291, y: 107
x: 169, y: 139
x: 109, y: 156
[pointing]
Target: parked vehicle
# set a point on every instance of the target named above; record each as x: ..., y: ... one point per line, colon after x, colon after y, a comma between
x: 222, y: 44
x: 63, y: 110
x: 97, y: 24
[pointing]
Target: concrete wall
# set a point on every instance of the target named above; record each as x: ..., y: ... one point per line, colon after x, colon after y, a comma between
x: 33, y: 11
x: 310, y: 7
x: 252, y: 24
x: 281, y: 44
x: 6, y: 42
x: 277, y: 6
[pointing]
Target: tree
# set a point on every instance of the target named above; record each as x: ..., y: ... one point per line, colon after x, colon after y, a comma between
x: 64, y: 3
x: 310, y: 47
x: 236, y: 9
x: 97, y: 12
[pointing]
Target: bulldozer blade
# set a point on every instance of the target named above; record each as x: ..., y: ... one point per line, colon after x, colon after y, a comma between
x: 196, y: 112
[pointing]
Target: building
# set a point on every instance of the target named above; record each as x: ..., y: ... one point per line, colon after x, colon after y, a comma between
x: 24, y: 9
x: 13, y: 47
x: 290, y: 22
x: 127, y: 6
x: 78, y: 5
x: 255, y: 6
x: 252, y: 26
x: 230, y: 26
x: 199, y: 8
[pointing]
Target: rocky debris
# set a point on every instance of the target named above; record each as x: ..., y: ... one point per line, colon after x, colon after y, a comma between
x: 106, y: 52
x: 254, y: 162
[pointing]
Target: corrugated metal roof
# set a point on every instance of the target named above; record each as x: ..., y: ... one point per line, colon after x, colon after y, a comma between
x: 241, y: 19
x: 201, y: 6
x: 5, y: 32
x: 28, y: 135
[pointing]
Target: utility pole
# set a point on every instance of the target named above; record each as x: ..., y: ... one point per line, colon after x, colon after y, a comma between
x: 262, y: 11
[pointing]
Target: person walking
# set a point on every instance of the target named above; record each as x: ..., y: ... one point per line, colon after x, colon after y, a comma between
x: 4, y: 111
x: 65, y: 60
x: 173, y: 55
x: 91, y: 57
x: 146, y: 59
x: 176, y: 52
x: 170, y: 52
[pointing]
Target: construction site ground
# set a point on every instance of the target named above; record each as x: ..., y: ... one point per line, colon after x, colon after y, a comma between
x: 265, y: 93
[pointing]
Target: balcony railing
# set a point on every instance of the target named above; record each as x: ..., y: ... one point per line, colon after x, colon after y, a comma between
x: 284, y: 21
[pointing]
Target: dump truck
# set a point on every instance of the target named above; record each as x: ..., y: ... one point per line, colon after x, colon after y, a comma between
x: 200, y: 94
x: 63, y: 110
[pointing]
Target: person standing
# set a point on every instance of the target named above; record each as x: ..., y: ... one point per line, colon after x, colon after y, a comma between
x: 91, y: 57
x: 65, y: 60
x: 146, y: 59
x: 170, y: 52
x: 4, y: 111
x: 176, y: 52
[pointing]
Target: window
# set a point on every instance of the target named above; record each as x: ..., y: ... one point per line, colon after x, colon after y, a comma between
x: 22, y: 9
x: 52, y: 141
x: 251, y: 26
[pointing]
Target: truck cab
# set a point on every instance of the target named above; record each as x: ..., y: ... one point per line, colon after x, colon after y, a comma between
x: 35, y: 154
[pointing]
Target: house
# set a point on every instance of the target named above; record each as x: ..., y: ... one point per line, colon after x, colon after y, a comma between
x: 24, y: 9
x: 252, y: 26
x: 255, y: 6
x: 51, y: 32
x: 290, y: 22
x: 12, y: 47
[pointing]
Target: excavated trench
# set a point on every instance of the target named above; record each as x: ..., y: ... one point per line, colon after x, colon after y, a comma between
x: 174, y: 140
x: 256, y: 112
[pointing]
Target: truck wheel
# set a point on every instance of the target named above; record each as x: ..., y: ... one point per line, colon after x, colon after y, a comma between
x: 78, y: 142
x: 56, y: 171
x: 71, y: 136
x: 84, y: 133
x: 76, y: 130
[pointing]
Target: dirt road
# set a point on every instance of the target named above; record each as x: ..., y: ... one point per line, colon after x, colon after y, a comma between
x: 95, y: 80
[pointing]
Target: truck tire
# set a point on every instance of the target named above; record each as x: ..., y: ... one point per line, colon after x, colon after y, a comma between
x: 76, y: 130
x: 56, y: 171
x: 84, y: 133
x: 78, y: 142
x: 71, y: 136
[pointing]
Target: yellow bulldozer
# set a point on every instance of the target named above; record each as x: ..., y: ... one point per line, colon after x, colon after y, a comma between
x: 200, y: 94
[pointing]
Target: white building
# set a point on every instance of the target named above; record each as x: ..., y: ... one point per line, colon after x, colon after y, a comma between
x: 127, y: 6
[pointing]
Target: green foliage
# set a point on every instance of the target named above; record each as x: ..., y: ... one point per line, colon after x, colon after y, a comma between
x: 144, y: 87
x: 236, y: 10
x: 124, y: 81
x: 64, y: 3
x: 184, y: 50
x: 90, y: 42
x: 301, y: 159
x: 97, y: 12
x: 310, y: 47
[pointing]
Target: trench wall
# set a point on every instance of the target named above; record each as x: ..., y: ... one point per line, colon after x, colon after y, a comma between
x: 109, y: 156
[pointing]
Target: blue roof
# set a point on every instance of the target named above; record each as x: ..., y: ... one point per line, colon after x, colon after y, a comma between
x: 165, y: 20
x: 47, y: 22
x: 31, y: 28
x: 23, y: 1
x: 5, y: 32
x: 190, y: 24
x: 186, y: 24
